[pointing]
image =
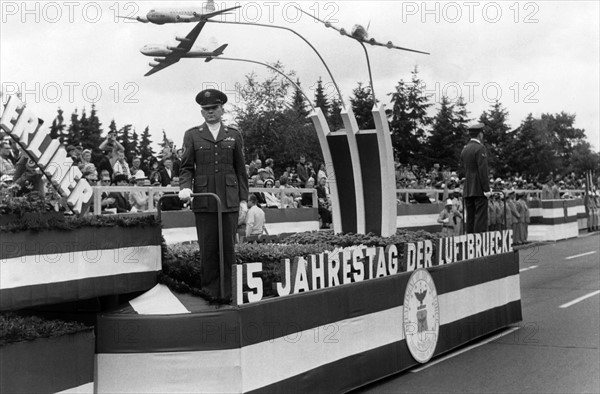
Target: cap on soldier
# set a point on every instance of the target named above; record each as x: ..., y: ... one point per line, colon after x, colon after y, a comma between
x: 476, y: 126
x: 210, y: 97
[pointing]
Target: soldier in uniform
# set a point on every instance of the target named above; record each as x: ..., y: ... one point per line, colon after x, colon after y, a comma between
x: 213, y: 162
x: 477, y: 184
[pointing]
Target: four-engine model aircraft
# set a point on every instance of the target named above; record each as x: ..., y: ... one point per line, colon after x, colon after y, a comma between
x: 361, y: 34
x: 179, y: 15
x: 168, y: 55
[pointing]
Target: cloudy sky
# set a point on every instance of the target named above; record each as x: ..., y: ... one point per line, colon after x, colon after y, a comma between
x: 535, y: 57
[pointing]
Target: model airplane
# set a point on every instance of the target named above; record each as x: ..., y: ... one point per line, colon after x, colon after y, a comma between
x: 168, y: 55
x: 179, y: 15
x: 361, y: 34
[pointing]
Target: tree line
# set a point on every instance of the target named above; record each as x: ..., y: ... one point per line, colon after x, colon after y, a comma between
x: 273, y: 119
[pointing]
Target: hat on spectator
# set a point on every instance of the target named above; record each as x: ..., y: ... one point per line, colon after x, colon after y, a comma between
x: 87, y: 151
x: 260, y: 183
x: 139, y: 176
x: 5, y: 144
x: 70, y: 148
x: 6, y: 178
x: 211, y: 97
x: 269, y: 181
x: 120, y: 177
x: 449, y: 202
x: 475, y: 129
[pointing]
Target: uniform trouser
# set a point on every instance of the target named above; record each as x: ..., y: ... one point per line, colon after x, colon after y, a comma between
x: 207, y: 226
x: 516, y: 227
x: 477, y: 214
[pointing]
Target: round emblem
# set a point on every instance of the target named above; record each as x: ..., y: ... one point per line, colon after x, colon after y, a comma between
x: 421, y: 316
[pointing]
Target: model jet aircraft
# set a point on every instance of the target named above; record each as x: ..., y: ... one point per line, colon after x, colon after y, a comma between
x: 179, y: 15
x: 168, y: 55
x: 361, y: 34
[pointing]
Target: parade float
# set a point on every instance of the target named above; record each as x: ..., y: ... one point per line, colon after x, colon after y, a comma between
x: 331, y: 317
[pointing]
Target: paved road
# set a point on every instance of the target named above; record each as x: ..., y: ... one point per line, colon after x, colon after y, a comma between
x: 554, y: 349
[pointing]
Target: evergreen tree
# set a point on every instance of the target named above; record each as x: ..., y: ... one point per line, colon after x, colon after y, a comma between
x: 528, y: 149
x: 362, y: 106
x: 125, y: 140
x: 145, y: 147
x: 135, y: 150
x: 321, y: 100
x: 57, y: 130
x: 90, y: 130
x: 448, y: 134
x: 565, y: 135
x: 298, y: 102
x: 409, y: 121
x: 74, y: 134
x: 496, y: 137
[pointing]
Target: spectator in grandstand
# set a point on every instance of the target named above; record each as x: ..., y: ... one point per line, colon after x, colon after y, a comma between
x: 139, y: 199
x: 301, y: 171
x: 85, y: 164
x: 255, y: 218
x: 166, y: 174
x: 155, y: 177
x: 269, y: 168
x: 447, y: 219
x: 324, y: 203
x: 255, y: 165
x: 287, y: 197
x: 136, y: 164
x: 27, y: 177
x: 177, y: 162
x: 121, y: 166
x: 310, y: 171
x: 322, y: 172
x: 118, y: 201
x: 306, y: 200
x: 476, y: 188
x: 7, y: 165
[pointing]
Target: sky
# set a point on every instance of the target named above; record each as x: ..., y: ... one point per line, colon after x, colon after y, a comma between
x: 534, y: 57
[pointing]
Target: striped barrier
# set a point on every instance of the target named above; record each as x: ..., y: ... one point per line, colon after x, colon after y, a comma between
x: 328, y: 340
x: 49, y: 267
x: 552, y: 220
x: 419, y: 217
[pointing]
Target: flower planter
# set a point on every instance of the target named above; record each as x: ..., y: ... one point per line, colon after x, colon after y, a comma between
x: 47, y: 365
x: 31, y: 217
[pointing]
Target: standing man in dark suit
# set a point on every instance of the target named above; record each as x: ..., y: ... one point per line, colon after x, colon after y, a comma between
x: 301, y: 171
x: 166, y: 174
x: 477, y: 184
x: 213, y: 162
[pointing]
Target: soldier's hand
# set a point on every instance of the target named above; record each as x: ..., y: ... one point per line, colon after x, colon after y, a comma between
x: 185, y: 194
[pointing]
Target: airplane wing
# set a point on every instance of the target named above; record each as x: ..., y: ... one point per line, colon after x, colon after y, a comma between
x: 183, y: 47
x: 390, y: 45
x: 162, y: 65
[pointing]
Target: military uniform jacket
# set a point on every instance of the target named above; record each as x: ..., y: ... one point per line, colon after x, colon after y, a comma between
x: 474, y: 160
x: 209, y: 166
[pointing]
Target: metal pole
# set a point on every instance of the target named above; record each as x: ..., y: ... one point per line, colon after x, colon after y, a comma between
x: 299, y: 35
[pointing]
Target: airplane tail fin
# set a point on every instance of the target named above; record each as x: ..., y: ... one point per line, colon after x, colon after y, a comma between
x: 220, y: 49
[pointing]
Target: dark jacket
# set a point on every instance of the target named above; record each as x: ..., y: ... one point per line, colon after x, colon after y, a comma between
x: 165, y: 179
x: 474, y: 161
x: 209, y: 166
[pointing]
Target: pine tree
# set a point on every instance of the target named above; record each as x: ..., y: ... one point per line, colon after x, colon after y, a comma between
x: 90, y: 130
x: 321, y: 100
x: 298, y: 102
x: 125, y: 140
x: 74, y: 134
x: 135, y: 147
x: 496, y: 137
x: 362, y: 106
x: 448, y: 134
x: 145, y: 147
x: 57, y: 130
x: 409, y: 121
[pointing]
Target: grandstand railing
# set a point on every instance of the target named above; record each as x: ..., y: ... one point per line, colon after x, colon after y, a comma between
x: 153, y: 190
x: 404, y: 195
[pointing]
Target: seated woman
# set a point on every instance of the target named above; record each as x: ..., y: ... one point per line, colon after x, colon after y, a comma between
x: 139, y: 199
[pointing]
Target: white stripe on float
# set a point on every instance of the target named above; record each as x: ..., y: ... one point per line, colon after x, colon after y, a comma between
x: 553, y: 213
x: 158, y: 301
x: 309, y: 349
x: 62, y: 267
x: 576, y: 300
x: 292, y: 227
x: 580, y: 255
x: 417, y: 220
x: 462, y: 303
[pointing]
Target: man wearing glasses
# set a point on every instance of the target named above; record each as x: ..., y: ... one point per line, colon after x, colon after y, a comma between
x: 213, y: 162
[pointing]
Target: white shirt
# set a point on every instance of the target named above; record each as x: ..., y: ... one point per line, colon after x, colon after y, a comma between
x: 255, y: 221
x: 214, y: 129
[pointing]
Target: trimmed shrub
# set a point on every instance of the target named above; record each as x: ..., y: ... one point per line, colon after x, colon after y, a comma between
x: 17, y: 328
